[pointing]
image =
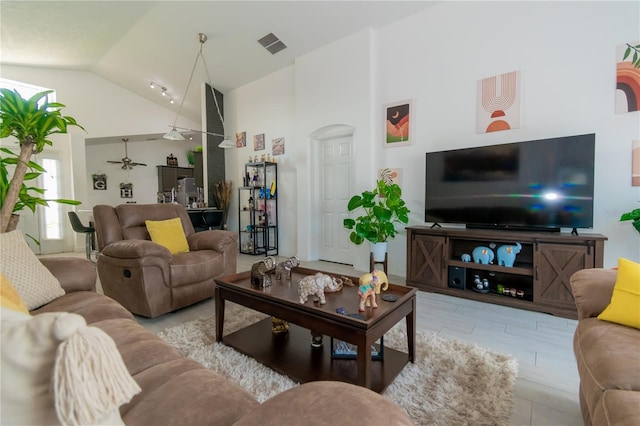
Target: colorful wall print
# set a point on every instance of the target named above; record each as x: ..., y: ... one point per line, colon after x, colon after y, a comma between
x: 498, y: 103
x: 241, y: 139
x: 397, y: 124
x: 635, y: 163
x: 391, y: 176
x: 258, y: 142
x: 277, y: 146
x: 628, y: 78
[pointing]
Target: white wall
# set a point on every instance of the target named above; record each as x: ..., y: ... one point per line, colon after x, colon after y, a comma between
x: 333, y: 87
x: 105, y: 109
x: 565, y: 51
x: 265, y: 106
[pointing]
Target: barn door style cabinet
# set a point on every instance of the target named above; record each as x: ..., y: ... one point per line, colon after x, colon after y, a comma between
x: 258, y: 209
x: 538, y: 280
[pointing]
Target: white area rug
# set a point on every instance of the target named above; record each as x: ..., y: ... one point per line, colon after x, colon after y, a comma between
x: 451, y: 383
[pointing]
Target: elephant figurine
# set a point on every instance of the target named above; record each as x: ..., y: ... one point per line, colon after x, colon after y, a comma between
x: 284, y: 268
x: 260, y: 271
x: 316, y: 285
x: 482, y: 254
x: 370, y: 285
x: 507, y: 254
x: 466, y: 257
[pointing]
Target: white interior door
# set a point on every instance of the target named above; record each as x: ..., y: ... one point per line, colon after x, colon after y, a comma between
x: 336, y: 155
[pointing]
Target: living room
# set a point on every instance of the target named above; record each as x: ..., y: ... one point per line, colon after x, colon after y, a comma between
x: 565, y: 51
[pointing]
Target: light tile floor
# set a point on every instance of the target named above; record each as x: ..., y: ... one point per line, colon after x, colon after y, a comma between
x: 546, y: 391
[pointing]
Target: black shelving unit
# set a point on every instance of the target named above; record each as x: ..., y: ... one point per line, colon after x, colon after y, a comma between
x: 258, y: 209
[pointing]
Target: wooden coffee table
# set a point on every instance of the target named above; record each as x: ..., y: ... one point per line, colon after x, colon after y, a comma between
x: 291, y: 353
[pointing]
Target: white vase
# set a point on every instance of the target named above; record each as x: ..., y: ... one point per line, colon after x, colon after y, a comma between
x: 378, y: 250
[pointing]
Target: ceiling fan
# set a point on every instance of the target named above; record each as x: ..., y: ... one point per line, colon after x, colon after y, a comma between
x: 127, y: 163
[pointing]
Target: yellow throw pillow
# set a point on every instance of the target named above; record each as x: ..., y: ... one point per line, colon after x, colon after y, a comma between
x: 625, y: 301
x: 168, y: 233
x: 9, y: 297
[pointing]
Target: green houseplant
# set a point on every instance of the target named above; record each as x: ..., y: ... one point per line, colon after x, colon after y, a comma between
x: 382, y: 208
x: 31, y: 121
x: 634, y: 217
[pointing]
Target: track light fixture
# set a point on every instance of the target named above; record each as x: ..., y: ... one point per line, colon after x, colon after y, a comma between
x: 174, y: 134
x: 163, y: 90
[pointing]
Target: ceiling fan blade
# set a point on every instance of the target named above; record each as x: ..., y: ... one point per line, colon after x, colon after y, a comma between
x: 127, y: 163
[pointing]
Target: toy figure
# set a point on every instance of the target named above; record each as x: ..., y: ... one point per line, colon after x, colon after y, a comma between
x: 370, y: 285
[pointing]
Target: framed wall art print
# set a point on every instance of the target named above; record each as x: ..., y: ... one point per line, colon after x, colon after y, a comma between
x: 397, y: 124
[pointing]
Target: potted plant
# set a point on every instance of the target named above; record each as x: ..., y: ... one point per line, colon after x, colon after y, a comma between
x: 634, y: 216
x: 382, y: 208
x: 31, y: 121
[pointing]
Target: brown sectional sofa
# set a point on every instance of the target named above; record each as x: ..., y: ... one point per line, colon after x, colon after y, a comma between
x: 607, y: 354
x: 179, y: 391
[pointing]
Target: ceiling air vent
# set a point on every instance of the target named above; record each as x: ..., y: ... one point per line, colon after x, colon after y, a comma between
x: 272, y: 43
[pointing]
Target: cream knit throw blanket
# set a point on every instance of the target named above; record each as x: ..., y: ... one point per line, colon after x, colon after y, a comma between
x: 90, y: 379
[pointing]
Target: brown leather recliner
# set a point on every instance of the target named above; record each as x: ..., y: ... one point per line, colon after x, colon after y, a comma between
x: 144, y: 276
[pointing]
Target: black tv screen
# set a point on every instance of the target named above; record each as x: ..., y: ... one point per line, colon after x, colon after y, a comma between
x: 539, y: 185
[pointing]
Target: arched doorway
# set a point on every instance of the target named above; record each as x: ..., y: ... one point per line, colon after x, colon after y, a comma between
x: 332, y: 177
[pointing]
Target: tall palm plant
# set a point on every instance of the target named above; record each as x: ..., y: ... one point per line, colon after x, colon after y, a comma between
x: 31, y: 121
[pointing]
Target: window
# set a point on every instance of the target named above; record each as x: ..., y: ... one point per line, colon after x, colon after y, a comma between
x: 26, y: 90
x: 52, y: 221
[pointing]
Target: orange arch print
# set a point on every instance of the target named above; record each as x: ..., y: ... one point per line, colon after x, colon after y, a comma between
x: 628, y: 82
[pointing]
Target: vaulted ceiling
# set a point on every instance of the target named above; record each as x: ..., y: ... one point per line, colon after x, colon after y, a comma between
x: 134, y: 42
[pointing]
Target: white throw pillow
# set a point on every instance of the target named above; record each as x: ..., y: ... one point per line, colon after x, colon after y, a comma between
x: 57, y: 370
x: 35, y: 284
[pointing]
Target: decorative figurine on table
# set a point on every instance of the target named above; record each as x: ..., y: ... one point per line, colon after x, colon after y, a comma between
x: 260, y: 271
x: 507, y: 255
x: 370, y: 285
x: 316, y: 285
x: 255, y: 177
x: 483, y: 255
x: 279, y: 326
x: 283, y: 269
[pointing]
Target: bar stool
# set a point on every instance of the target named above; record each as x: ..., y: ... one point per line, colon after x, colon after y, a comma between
x: 89, y: 232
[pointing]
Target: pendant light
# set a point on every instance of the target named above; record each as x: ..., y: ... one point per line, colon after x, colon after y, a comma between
x: 174, y: 134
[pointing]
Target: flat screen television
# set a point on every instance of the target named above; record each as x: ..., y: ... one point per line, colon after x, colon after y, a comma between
x: 534, y: 185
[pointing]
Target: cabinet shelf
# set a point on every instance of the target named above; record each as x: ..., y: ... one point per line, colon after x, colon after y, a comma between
x: 541, y: 270
x: 517, y: 269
